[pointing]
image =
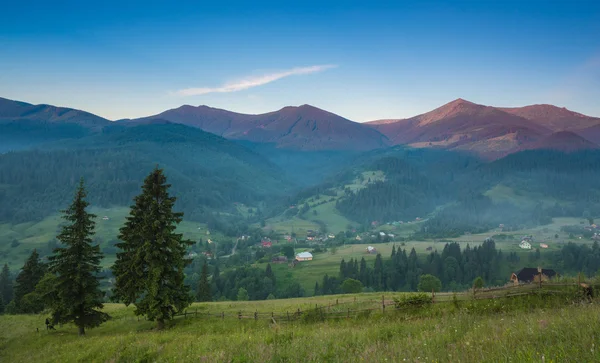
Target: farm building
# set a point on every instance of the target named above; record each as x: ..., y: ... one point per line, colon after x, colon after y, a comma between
x: 105, y: 218
x: 543, y: 245
x: 532, y: 274
x: 266, y: 244
x: 279, y: 259
x: 525, y: 245
x: 371, y: 250
x: 304, y: 256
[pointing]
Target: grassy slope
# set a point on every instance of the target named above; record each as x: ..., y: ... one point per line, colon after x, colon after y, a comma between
x: 550, y: 334
x: 326, y: 212
x: 37, y: 235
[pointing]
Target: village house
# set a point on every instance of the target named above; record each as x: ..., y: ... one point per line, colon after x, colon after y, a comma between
x: 371, y: 250
x: 192, y: 254
x: 105, y: 218
x: 279, y: 259
x: 532, y: 274
x: 525, y: 245
x: 304, y: 256
x: 266, y: 244
x: 543, y: 245
x: 382, y: 234
x: 358, y: 238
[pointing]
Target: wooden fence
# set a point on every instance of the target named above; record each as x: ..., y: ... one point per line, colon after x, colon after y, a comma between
x: 350, y: 309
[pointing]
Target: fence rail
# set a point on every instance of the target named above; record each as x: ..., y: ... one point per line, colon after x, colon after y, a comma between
x: 338, y: 310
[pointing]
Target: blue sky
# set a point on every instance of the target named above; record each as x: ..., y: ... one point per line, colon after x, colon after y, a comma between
x: 362, y: 60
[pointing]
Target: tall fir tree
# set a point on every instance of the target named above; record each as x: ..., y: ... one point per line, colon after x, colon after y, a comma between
x: 204, y: 293
x: 6, y: 285
x: 32, y: 272
x: 269, y: 273
x: 149, y: 268
x: 76, y: 266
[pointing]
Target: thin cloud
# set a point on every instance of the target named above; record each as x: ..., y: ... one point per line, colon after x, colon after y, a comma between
x: 251, y: 82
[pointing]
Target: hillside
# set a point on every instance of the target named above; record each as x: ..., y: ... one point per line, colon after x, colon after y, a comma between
x: 463, y: 125
x: 207, y: 172
x: 487, y: 131
x: 23, y: 125
x: 474, y: 330
x: 304, y: 127
x: 554, y: 118
x: 565, y: 141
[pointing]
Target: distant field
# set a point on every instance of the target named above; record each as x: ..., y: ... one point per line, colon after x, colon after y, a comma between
x: 37, y: 235
x: 325, y: 212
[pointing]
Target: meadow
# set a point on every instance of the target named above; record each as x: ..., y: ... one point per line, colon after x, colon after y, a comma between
x: 520, y: 330
x: 36, y: 235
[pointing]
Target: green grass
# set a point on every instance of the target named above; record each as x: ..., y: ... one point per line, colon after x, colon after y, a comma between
x: 37, y: 235
x: 470, y: 332
x: 326, y: 212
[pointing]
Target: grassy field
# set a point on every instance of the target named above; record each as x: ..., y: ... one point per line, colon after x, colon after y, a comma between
x: 326, y: 212
x: 469, y: 331
x: 38, y: 234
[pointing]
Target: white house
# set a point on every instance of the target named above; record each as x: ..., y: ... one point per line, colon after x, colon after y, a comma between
x: 371, y: 249
x: 304, y: 256
x: 382, y: 234
x: 525, y: 245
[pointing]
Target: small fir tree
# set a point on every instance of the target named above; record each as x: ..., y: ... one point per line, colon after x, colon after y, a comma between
x: 149, y: 269
x: 76, y: 267
x: 32, y: 272
x: 6, y: 285
x: 204, y: 293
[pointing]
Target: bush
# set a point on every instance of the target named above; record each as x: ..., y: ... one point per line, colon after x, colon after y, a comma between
x: 413, y: 300
x: 352, y: 286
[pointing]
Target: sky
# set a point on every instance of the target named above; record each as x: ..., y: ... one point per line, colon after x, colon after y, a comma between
x: 362, y: 60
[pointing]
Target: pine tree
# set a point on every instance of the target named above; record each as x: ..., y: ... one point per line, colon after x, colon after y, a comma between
x: 30, y: 275
x: 76, y: 266
x: 149, y: 269
x: 6, y: 285
x: 269, y: 273
x: 204, y: 286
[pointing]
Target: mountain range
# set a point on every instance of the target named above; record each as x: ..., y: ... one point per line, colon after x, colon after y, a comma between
x: 486, y: 131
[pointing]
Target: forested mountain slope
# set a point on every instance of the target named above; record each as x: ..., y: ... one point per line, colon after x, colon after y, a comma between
x: 207, y: 172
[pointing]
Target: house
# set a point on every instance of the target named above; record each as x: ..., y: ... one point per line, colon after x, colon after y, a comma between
x: 209, y: 240
x: 543, y: 245
x: 371, y: 250
x: 429, y: 248
x: 207, y: 254
x: 374, y: 224
x: 596, y: 237
x: 266, y: 244
x: 358, y: 238
x: 382, y: 234
x: 331, y: 235
x: 525, y: 245
x: 532, y: 274
x: 417, y: 219
x: 105, y: 218
x: 304, y: 256
x: 192, y: 254
x: 279, y: 259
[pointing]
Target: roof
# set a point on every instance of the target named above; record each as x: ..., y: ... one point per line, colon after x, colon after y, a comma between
x: 304, y: 255
x: 528, y: 273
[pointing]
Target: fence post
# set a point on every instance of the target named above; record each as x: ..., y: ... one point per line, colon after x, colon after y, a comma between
x: 223, y: 315
x: 239, y: 315
x: 299, y: 313
x: 273, y: 315
x: 288, y: 315
x: 432, y: 296
x: 185, y: 314
x: 383, y: 303
x: 256, y: 315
